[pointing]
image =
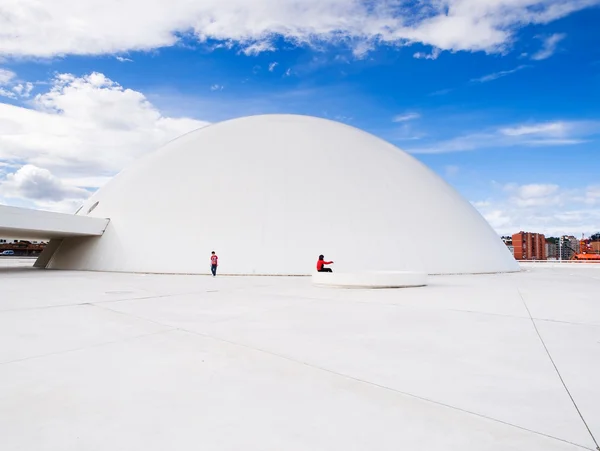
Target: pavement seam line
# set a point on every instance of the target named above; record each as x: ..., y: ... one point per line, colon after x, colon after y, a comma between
x: 97, y: 345
x: 558, y: 372
x: 356, y: 379
x: 384, y: 387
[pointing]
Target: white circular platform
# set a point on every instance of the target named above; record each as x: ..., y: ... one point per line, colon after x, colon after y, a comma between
x: 380, y: 279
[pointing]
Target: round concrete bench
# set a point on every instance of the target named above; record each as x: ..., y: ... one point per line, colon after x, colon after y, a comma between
x: 379, y: 279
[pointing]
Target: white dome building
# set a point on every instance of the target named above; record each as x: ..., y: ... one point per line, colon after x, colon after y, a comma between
x: 269, y: 194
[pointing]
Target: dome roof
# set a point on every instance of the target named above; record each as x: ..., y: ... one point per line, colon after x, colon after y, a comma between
x: 270, y: 193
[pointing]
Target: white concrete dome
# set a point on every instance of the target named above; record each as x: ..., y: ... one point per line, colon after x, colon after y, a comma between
x: 270, y: 193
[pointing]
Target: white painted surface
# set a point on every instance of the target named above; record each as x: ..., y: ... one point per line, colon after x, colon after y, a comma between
x: 26, y: 223
x: 101, y: 361
x: 271, y: 193
x: 16, y: 261
x: 383, y: 279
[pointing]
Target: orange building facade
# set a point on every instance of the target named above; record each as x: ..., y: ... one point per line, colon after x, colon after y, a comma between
x: 529, y: 246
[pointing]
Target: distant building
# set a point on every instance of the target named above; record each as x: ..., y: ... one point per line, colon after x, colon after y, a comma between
x: 10, y: 240
x: 21, y: 247
x: 507, y: 240
x: 551, y: 250
x: 569, y: 246
x: 529, y: 246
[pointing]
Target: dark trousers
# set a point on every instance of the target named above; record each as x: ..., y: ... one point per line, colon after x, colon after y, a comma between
x: 213, y: 269
x: 323, y: 269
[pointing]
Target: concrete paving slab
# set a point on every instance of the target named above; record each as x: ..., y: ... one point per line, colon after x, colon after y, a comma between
x: 180, y: 391
x: 91, y: 361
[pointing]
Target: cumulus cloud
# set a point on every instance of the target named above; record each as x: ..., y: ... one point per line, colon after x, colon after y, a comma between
x: 433, y: 55
x: 6, y: 93
x: 77, y: 134
x: 12, y: 87
x: 6, y: 76
x: 36, y: 183
x: 543, y: 208
x: 23, y: 89
x: 258, y: 47
x: 533, y: 194
x: 549, y: 46
x: 46, y: 29
x: 552, y: 133
x: 534, y: 191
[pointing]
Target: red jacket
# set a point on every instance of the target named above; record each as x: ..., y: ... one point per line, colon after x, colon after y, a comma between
x: 320, y: 264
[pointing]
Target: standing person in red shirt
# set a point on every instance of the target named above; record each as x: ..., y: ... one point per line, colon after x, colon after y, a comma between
x: 321, y: 264
x: 214, y: 262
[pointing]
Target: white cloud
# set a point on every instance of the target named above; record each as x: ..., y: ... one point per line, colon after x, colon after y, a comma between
x: 46, y: 29
x: 216, y: 87
x: 11, y: 87
x: 122, y: 59
x: 549, y: 45
x: 536, y: 190
x: 554, y: 129
x: 256, y: 48
x: 288, y: 72
x: 23, y: 89
x: 481, y: 203
x: 435, y: 53
x: 36, y: 183
x: 82, y: 130
x: 496, y: 75
x: 554, y: 133
x: 533, y: 194
x: 406, y: 117
x: 6, y: 76
x: 272, y: 66
x: 543, y: 208
x: 554, y: 142
x: 6, y: 93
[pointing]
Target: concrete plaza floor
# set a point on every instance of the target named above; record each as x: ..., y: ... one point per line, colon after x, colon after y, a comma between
x: 108, y: 361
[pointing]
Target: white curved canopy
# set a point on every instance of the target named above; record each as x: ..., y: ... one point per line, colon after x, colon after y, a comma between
x: 270, y: 193
x: 27, y: 223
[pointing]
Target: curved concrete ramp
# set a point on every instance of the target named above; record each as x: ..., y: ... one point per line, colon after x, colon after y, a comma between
x: 380, y: 279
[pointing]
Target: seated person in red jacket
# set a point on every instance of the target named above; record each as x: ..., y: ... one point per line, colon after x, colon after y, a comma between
x: 321, y: 265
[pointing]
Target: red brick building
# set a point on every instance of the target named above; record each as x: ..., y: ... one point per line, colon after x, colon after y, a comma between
x: 529, y: 246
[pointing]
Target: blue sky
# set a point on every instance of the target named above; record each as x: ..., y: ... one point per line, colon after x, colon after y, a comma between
x: 512, y: 121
